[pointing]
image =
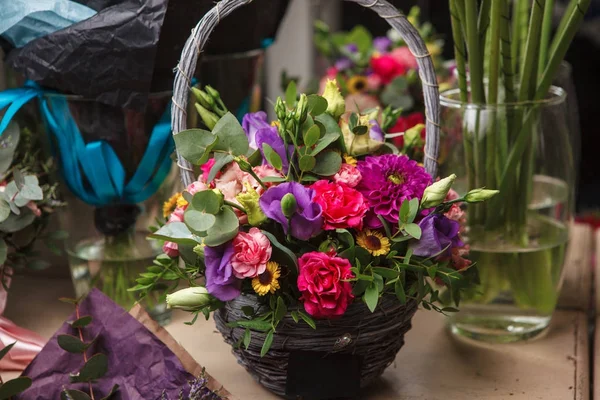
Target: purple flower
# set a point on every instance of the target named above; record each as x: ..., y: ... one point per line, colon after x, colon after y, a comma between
x: 271, y: 137
x: 387, y: 181
x: 252, y: 123
x: 306, y: 221
x: 220, y: 281
x: 352, y: 48
x: 439, y: 236
x: 343, y: 64
x: 375, y: 132
x: 382, y: 44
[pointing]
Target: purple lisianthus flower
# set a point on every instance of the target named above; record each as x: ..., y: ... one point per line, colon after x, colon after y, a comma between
x: 387, y: 181
x: 220, y: 281
x: 382, y: 44
x: 271, y: 137
x: 252, y: 123
x: 352, y: 48
x: 306, y: 221
x: 343, y: 64
x: 439, y: 236
x: 375, y: 132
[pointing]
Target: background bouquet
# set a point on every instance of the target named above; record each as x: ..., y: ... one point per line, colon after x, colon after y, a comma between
x: 381, y: 72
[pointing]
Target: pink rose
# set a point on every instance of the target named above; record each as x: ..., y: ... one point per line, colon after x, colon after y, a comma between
x: 404, y: 57
x: 387, y: 68
x: 343, y: 207
x: 171, y: 249
x: 321, y: 282
x: 349, y: 175
x: 358, y: 102
x: 251, y: 251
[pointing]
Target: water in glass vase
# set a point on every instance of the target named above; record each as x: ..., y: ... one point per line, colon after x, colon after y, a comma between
x: 519, y: 285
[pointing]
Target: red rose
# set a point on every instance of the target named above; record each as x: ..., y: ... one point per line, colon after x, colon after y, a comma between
x: 405, y: 123
x: 343, y: 207
x: 387, y: 68
x: 321, y: 282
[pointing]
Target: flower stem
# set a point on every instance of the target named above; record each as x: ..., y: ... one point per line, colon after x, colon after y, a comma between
x: 546, y: 33
x: 474, y: 48
x: 232, y: 204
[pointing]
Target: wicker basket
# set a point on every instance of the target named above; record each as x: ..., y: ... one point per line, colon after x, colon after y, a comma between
x: 376, y: 337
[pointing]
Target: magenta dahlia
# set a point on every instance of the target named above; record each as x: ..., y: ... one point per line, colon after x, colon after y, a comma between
x: 387, y: 181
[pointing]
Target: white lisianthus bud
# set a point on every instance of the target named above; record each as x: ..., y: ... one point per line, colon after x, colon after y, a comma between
x: 479, y: 195
x: 435, y: 194
x: 336, y: 105
x: 189, y: 299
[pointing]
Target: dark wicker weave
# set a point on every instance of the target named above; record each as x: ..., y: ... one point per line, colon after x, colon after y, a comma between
x: 378, y: 336
x: 375, y: 337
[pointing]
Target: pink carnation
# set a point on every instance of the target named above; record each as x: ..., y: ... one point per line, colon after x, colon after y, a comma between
x: 206, y: 167
x: 343, y: 207
x: 171, y: 249
x: 349, y: 175
x: 322, y: 280
x: 251, y: 251
x: 387, y: 68
x: 177, y: 215
x: 262, y: 171
x: 196, y: 187
x: 373, y: 82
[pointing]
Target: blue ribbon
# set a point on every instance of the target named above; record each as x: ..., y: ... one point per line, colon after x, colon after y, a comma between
x: 93, y: 171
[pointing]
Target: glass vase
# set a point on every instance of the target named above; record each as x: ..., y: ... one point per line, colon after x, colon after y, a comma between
x: 518, y: 239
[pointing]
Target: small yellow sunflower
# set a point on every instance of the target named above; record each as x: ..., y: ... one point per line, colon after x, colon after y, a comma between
x: 268, y: 281
x: 170, y: 205
x: 357, y: 84
x: 374, y: 242
x: 181, y: 202
x: 350, y: 160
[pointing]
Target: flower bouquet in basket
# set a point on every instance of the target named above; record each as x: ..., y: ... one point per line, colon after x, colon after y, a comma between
x: 383, y: 72
x: 308, y: 233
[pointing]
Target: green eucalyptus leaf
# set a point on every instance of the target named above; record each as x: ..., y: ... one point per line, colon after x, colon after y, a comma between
x: 371, y: 296
x: 4, y: 210
x: 74, y: 394
x: 221, y: 160
x: 324, y: 142
x: 327, y: 163
x: 232, y: 138
x: 71, y: 344
x: 95, y: 368
x: 31, y: 190
x: 307, y: 163
x: 291, y: 94
x: 6, y: 349
x: 317, y: 105
x: 82, y: 322
x: 198, y: 221
x: 225, y: 228
x: 413, y: 230
x: 195, y: 145
x: 176, y: 232
x: 9, y: 140
x: 207, y: 201
x: 14, y: 386
x: 312, y: 135
x: 272, y: 157
x: 15, y: 223
x: 267, y: 344
x: 112, y: 392
x: 3, y: 254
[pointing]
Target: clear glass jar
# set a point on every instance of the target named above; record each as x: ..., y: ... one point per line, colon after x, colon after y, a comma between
x: 518, y: 239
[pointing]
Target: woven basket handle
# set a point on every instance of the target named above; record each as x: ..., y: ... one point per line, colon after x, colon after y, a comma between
x: 200, y: 34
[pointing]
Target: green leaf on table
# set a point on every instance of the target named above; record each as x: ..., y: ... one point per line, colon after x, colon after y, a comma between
x: 399, y: 290
x: 413, y: 230
x: 307, y: 163
x: 95, y: 368
x: 207, y: 201
x: 14, y: 386
x: 82, y: 322
x: 4, y: 209
x: 283, y: 249
x: 71, y: 344
x: 176, y: 232
x: 15, y: 223
x: 272, y: 157
x: 195, y: 145
x: 9, y: 141
x: 312, y: 136
x: 232, y: 138
x: 324, y: 142
x: 291, y: 94
x: 247, y: 338
x: 254, y: 324
x: 68, y: 394
x: 280, y: 310
x: 308, y: 319
x: 6, y: 349
x: 267, y: 344
x: 225, y: 228
x: 327, y: 163
x: 3, y: 254
x: 221, y: 160
x: 371, y: 296
x: 112, y: 392
x: 317, y: 105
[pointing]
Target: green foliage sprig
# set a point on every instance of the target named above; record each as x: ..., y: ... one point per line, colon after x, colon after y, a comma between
x: 15, y: 386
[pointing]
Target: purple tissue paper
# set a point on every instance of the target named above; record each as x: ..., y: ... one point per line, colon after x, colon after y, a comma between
x: 139, y: 362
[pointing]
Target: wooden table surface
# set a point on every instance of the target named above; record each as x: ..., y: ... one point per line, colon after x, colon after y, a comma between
x: 433, y: 365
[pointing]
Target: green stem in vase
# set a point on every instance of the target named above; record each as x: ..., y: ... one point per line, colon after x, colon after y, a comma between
x: 474, y: 49
x: 546, y: 33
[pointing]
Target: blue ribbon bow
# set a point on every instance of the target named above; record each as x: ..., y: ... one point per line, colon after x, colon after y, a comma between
x: 93, y: 171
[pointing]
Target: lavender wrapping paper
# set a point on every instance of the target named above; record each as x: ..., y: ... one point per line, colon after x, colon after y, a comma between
x: 139, y: 362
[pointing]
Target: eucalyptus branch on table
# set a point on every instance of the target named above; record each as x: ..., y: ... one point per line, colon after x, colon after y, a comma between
x: 15, y: 386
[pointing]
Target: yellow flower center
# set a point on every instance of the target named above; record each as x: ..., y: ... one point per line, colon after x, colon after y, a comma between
x: 396, y: 179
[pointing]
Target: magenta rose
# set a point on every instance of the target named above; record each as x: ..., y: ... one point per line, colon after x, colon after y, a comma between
x: 343, y: 207
x: 251, y: 251
x: 321, y: 281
